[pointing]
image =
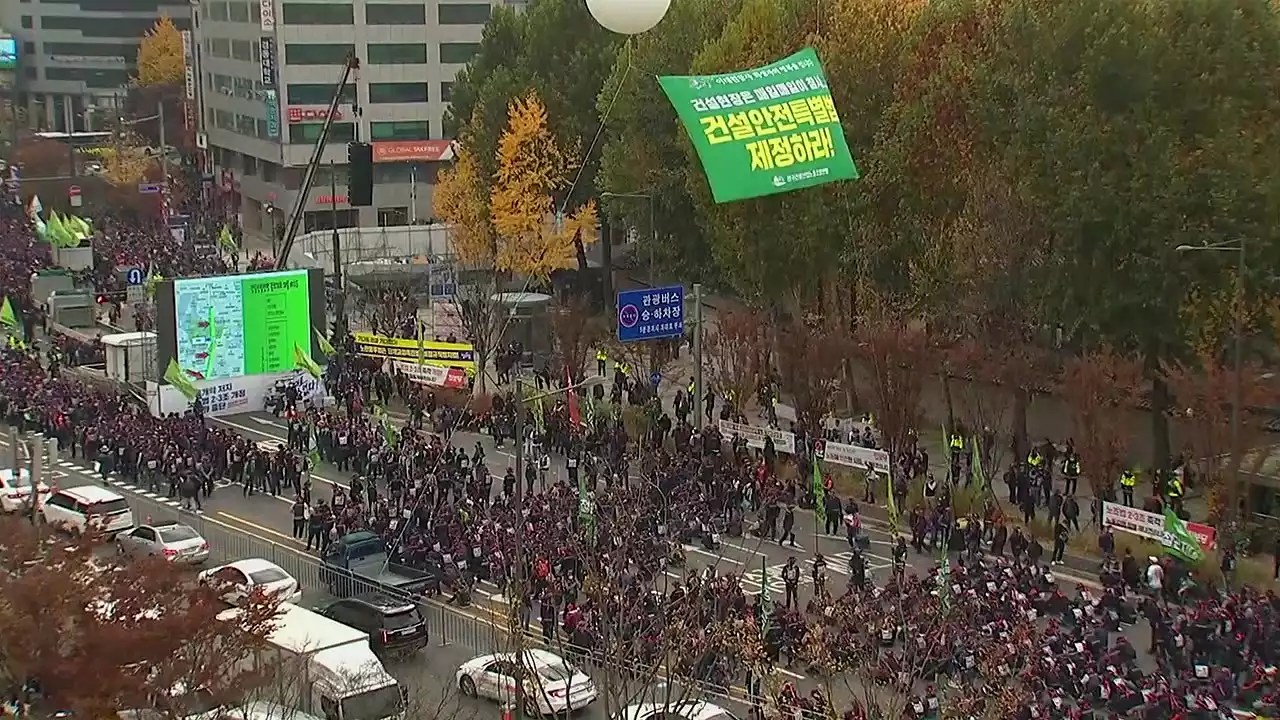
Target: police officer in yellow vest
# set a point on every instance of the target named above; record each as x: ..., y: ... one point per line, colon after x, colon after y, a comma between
x: 1128, y: 481
x: 1035, y: 459
x: 1173, y: 490
x: 956, y: 445
x: 691, y: 389
x: 602, y: 357
x: 1071, y: 471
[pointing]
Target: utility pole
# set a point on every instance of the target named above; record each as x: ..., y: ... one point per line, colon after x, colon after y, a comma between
x: 516, y: 604
x: 697, y: 352
x: 164, y: 152
x: 340, y: 293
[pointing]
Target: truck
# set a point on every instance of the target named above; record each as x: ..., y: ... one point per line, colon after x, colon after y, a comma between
x: 324, y: 668
x: 358, y: 562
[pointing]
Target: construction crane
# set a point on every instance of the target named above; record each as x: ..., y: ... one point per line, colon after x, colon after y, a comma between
x: 308, y: 178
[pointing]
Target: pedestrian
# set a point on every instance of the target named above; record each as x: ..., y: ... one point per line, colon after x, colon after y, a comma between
x: 791, y: 583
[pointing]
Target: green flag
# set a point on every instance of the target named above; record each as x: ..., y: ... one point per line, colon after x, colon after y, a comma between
x: 978, y: 475
x: 7, y: 317
x: 1178, y: 540
x: 944, y: 581
x: 179, y: 380
x: 303, y: 361
x: 325, y: 346
x: 819, y: 492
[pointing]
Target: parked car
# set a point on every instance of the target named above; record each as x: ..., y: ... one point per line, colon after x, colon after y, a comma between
x: 15, y: 491
x: 172, y: 541
x: 239, y: 579
x: 551, y: 686
x: 395, y: 627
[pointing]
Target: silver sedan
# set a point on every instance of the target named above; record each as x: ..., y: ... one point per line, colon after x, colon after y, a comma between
x: 172, y: 541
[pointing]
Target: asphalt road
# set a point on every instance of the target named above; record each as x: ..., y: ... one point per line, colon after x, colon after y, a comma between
x: 260, y: 526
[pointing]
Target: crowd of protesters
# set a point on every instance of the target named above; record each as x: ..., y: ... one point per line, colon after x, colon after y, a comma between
x: 597, y: 541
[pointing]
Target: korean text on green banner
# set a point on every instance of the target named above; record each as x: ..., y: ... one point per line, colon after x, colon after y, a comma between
x: 765, y: 131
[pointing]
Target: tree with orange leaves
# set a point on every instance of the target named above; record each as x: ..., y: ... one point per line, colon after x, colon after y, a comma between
x: 100, y: 634
x: 894, y: 348
x: 735, y: 354
x: 1099, y: 386
x: 810, y: 357
x: 534, y: 238
x: 161, y: 60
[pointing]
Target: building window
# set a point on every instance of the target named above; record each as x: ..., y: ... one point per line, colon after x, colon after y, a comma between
x: 317, y: 94
x: 446, y: 91
x: 380, y: 14
x: 246, y: 125
x: 390, y: 216
x: 128, y: 51
x: 90, y: 77
x: 28, y: 22
x: 317, y: 54
x: 397, y: 92
x: 220, y: 47
x: 458, y: 53
x: 219, y: 12
x: 307, y: 133
x: 313, y: 220
x: 28, y: 48
x: 401, y: 130
x: 318, y: 14
x: 464, y: 13
x: 242, y: 50
x: 397, y: 54
x: 31, y: 73
x: 239, y: 12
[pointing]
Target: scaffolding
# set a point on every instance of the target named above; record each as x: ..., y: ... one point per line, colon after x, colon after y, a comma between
x: 395, y: 245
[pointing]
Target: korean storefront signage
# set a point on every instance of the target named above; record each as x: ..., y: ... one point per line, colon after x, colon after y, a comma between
x: 297, y: 114
x: 268, y: 52
x: 267, y: 13
x: 273, y: 113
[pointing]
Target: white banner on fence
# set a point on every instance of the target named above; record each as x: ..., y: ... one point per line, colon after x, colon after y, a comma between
x: 856, y: 456
x: 755, y: 435
x: 1137, y: 521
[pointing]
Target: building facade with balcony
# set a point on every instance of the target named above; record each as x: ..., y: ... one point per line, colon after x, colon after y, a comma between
x: 268, y: 70
x: 76, y: 57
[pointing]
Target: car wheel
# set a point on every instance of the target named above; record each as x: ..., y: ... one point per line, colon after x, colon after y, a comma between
x: 467, y: 686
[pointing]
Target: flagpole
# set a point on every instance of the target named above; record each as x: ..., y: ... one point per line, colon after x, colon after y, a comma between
x: 422, y: 345
x: 413, y: 195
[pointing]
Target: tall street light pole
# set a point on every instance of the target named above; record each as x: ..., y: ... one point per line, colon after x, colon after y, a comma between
x: 653, y: 228
x: 1237, y: 385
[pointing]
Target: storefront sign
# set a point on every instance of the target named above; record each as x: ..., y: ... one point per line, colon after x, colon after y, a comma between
x: 190, y: 79
x: 267, y: 12
x: 755, y: 435
x: 331, y: 199
x: 273, y: 113
x: 297, y: 114
x: 1149, y: 525
x: 445, y: 354
x: 413, y: 150
x: 268, y: 53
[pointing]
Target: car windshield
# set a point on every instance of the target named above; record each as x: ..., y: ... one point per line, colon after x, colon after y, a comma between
x: 555, y: 670
x: 267, y: 575
x: 177, y: 533
x: 107, y: 507
x: 373, y: 704
x: 22, y: 480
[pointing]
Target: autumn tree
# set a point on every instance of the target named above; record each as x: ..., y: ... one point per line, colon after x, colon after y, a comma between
x: 461, y: 200
x: 809, y: 355
x: 735, y: 350
x: 101, y: 635
x: 483, y: 316
x: 1204, y: 395
x: 1100, y: 387
x: 161, y: 60
x: 575, y: 332
x: 895, y: 350
x: 534, y: 172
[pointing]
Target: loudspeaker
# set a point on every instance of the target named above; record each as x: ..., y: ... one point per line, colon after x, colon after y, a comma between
x: 359, y: 174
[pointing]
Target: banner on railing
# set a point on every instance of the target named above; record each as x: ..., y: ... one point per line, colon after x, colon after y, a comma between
x: 446, y: 377
x: 1149, y: 525
x: 755, y: 435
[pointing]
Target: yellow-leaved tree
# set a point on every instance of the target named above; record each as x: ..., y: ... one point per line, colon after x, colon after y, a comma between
x: 160, y: 57
x: 532, y: 170
x: 461, y: 199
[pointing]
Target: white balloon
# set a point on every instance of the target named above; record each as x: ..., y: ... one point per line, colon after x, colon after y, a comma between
x: 628, y: 17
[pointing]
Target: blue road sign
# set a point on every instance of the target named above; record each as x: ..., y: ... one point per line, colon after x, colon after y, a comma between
x: 134, y: 276
x: 148, y: 188
x: 651, y: 314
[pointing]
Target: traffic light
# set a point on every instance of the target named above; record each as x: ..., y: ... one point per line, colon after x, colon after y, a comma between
x: 359, y: 174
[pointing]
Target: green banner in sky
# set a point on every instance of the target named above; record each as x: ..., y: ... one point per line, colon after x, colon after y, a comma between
x: 759, y: 132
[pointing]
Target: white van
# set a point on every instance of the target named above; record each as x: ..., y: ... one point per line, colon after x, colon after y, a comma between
x: 79, y: 508
x: 325, y: 668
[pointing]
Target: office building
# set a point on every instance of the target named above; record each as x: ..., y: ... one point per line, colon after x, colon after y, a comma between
x: 268, y: 70
x: 76, y: 57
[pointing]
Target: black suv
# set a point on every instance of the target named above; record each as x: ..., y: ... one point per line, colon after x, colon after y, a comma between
x: 395, y: 627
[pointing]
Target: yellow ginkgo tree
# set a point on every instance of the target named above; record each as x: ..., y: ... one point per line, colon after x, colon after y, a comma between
x: 161, y: 61
x: 461, y: 199
x: 533, y: 238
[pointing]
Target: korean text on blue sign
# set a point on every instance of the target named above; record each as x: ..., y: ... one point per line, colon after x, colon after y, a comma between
x: 651, y: 314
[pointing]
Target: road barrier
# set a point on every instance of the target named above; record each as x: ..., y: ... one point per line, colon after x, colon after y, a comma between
x: 449, y: 625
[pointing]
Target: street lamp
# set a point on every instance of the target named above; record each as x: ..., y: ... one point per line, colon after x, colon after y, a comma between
x: 653, y: 228
x: 1237, y: 385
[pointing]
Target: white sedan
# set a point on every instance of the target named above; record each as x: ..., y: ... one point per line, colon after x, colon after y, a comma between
x: 15, y: 491
x: 241, y: 578
x: 552, y: 686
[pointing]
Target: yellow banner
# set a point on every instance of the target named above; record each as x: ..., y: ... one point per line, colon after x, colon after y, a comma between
x: 461, y: 355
